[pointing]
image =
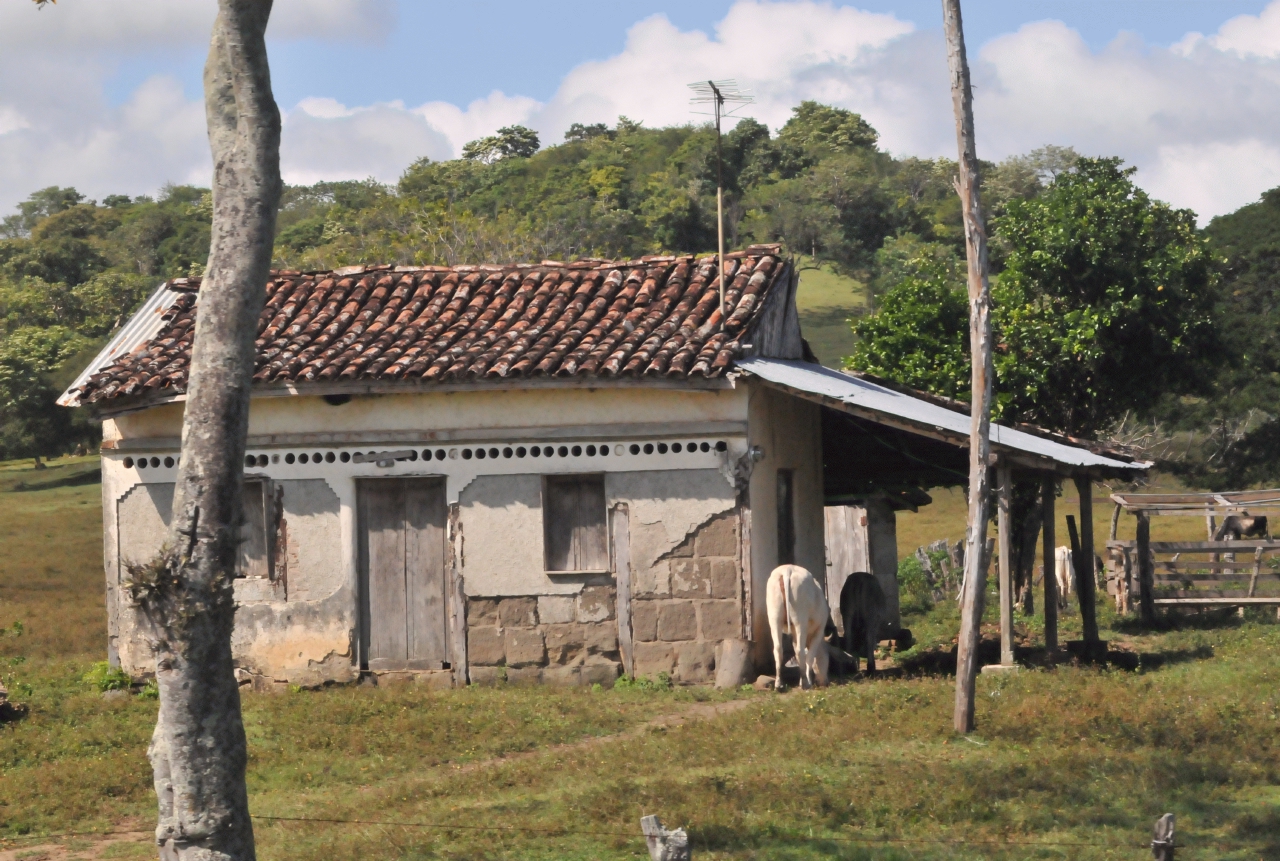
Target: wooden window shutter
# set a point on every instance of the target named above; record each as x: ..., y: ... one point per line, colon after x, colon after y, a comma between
x: 574, y: 524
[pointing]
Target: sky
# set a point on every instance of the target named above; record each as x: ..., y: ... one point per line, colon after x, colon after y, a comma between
x: 105, y: 95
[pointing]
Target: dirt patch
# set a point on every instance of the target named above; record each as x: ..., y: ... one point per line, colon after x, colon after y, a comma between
x: 130, y: 840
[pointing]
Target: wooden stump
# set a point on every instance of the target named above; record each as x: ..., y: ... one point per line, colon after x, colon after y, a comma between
x: 1162, y: 844
x: 665, y: 845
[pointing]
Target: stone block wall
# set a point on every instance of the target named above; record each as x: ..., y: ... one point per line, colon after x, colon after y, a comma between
x: 551, y: 639
x: 688, y: 604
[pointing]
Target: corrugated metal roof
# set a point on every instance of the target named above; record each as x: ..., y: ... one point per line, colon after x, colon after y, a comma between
x: 862, y: 397
x: 141, y: 328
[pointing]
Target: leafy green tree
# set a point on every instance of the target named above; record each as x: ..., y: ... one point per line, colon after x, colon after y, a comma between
x: 31, y: 424
x: 509, y: 142
x: 1104, y: 305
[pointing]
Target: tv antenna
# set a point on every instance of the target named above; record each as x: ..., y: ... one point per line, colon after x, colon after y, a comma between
x: 720, y: 93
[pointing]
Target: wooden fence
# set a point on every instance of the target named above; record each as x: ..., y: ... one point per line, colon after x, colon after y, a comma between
x: 1196, y: 573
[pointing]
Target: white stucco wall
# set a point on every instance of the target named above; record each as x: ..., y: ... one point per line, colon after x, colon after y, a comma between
x: 789, y: 431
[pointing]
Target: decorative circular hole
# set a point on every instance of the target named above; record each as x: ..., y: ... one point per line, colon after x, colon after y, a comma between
x: 262, y: 460
x: 521, y: 451
x: 413, y: 455
x: 128, y: 463
x: 704, y: 447
x: 563, y: 451
x: 453, y: 454
x: 493, y: 453
x: 693, y: 446
x: 155, y: 461
x: 635, y: 449
x: 648, y: 448
x: 675, y: 446
x: 591, y: 451
x: 535, y: 451
x: 317, y: 457
x: 441, y: 454
x: 328, y: 457
x: 289, y: 458
x: 479, y: 454
x: 142, y: 463
x: 662, y: 448
x: 604, y: 451
x: 168, y: 462
x: 466, y: 454
x: 302, y: 458
x: 275, y: 458
x: 722, y: 446
x: 618, y: 449
x: 577, y: 451
x: 507, y: 452
x: 345, y: 457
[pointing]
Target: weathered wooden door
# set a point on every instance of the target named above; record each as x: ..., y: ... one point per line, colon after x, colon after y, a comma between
x: 402, y: 584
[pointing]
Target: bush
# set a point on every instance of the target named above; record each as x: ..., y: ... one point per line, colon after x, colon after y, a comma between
x: 104, y: 677
x: 915, y: 592
x: 652, y: 685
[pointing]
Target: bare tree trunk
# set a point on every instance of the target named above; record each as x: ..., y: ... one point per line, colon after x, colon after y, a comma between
x: 980, y: 351
x: 198, y: 749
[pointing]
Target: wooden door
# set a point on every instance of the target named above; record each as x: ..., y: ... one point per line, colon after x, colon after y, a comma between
x: 402, y: 561
x: 847, y: 552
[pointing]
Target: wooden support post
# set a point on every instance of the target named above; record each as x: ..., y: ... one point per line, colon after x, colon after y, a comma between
x: 1162, y: 844
x: 1048, y: 491
x: 1086, y: 577
x: 1257, y: 569
x: 1115, y: 522
x: 1146, y: 574
x: 983, y: 369
x: 1004, y: 535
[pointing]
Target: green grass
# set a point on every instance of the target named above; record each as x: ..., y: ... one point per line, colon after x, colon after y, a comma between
x: 1183, y: 720
x: 826, y: 302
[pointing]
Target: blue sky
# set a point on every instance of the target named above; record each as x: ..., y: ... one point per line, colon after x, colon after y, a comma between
x: 106, y: 96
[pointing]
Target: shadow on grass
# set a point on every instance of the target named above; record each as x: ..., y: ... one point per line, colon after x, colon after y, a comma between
x: 941, y: 661
x: 72, y: 479
x: 786, y: 846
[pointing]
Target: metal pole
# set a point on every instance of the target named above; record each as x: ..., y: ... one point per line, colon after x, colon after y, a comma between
x: 719, y: 100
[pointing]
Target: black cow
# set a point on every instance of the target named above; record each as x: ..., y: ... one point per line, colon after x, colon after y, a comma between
x: 862, y: 607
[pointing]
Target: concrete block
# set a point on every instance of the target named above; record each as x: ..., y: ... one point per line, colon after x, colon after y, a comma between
x: 644, y: 621
x: 482, y: 611
x: 655, y: 580
x: 518, y: 612
x: 524, y: 676
x: 601, y: 637
x: 718, y: 538
x: 600, y: 671
x: 719, y: 620
x: 685, y: 549
x: 485, y: 646
x: 595, y: 604
x: 524, y: 646
x: 733, y: 663
x: 434, y: 680
x: 724, y: 578
x: 564, y: 643
x: 654, y: 658
x: 555, y: 609
x: 695, y: 662
x: 691, y: 578
x: 488, y: 677
x: 677, y: 620
x: 562, y: 677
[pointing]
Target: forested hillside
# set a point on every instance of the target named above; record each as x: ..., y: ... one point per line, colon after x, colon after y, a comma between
x: 873, y: 233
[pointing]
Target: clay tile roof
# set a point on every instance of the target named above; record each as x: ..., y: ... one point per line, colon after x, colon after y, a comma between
x: 652, y: 317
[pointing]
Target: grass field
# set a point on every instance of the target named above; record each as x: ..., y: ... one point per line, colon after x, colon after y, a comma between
x: 1068, y: 762
x: 826, y: 302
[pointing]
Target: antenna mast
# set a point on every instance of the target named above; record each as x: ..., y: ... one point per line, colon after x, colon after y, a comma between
x: 718, y: 93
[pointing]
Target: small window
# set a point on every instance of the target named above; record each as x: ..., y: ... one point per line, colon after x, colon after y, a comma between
x: 786, y: 517
x: 573, y: 523
x: 257, y: 532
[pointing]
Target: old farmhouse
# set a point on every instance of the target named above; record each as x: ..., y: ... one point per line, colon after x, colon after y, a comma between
x: 557, y: 472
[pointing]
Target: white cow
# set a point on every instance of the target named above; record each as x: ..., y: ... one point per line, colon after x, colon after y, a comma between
x: 798, y: 607
x: 1064, y: 573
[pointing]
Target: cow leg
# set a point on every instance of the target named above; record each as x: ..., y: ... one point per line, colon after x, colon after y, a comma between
x: 851, y: 641
x: 872, y: 642
x: 777, y: 661
x: 802, y: 659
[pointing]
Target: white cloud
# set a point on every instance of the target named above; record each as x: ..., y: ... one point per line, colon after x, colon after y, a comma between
x: 1201, y: 118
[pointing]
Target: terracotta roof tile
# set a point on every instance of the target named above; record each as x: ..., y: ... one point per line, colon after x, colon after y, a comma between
x: 657, y: 316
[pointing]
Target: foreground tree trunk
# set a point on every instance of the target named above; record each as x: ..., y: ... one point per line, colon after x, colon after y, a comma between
x: 983, y: 371
x: 198, y: 749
